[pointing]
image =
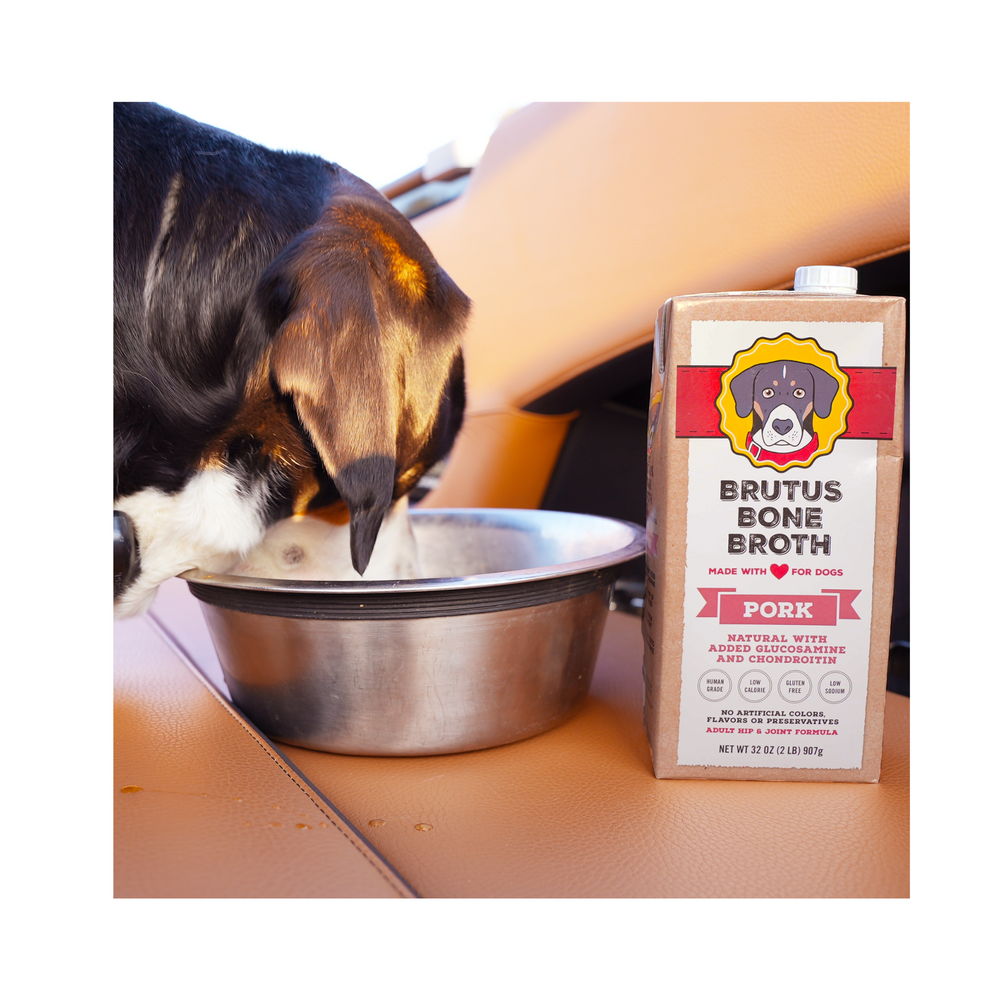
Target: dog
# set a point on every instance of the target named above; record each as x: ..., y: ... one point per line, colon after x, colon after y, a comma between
x: 783, y: 397
x: 284, y: 342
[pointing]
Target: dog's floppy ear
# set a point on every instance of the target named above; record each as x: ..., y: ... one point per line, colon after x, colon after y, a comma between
x: 825, y: 388
x: 365, y: 350
x: 742, y: 389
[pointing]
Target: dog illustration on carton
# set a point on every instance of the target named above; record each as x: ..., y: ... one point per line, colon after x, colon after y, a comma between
x: 784, y: 402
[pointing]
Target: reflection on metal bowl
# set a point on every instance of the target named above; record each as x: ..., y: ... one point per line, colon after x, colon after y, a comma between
x: 496, y: 643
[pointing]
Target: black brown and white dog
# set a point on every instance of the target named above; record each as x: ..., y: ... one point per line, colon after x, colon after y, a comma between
x: 783, y: 396
x: 284, y: 342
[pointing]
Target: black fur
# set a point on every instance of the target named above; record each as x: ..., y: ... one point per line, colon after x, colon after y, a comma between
x: 224, y: 249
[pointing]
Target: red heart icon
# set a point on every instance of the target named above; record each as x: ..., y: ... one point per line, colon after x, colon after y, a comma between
x: 779, y: 571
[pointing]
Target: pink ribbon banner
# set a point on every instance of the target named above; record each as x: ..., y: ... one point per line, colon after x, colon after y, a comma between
x: 826, y: 608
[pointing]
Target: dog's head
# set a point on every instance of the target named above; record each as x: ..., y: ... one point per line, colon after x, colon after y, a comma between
x: 284, y: 341
x: 783, y: 396
x: 365, y: 331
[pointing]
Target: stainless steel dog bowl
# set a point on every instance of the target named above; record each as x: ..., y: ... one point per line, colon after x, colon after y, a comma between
x: 498, y: 645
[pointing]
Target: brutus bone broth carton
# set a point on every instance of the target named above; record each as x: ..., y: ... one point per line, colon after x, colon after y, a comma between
x: 775, y: 449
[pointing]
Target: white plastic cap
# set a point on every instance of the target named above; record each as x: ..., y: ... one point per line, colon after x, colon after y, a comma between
x: 823, y: 280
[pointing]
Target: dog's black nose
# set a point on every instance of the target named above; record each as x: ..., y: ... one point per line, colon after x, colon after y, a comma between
x: 782, y: 426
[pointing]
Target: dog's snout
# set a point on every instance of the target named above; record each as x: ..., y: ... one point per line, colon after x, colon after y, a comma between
x: 366, y: 486
x: 782, y: 426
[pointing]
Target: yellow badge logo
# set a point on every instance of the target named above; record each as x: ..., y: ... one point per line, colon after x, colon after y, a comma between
x: 784, y: 402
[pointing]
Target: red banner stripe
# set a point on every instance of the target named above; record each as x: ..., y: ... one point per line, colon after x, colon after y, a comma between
x: 872, y: 389
x: 697, y: 391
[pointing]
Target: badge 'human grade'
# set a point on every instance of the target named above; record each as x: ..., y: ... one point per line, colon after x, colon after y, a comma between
x: 784, y: 402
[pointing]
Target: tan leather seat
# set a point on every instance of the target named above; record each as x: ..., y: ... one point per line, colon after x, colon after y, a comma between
x: 203, y: 805
x: 575, y: 812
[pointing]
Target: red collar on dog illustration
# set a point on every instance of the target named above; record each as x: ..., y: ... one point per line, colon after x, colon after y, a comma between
x: 762, y: 455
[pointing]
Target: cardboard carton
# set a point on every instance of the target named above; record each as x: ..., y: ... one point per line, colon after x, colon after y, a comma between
x: 775, y: 452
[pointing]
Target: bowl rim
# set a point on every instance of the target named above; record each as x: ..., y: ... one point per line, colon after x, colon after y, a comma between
x: 506, y: 516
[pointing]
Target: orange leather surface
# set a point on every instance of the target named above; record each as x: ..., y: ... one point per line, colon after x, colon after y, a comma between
x: 576, y: 812
x: 582, y: 219
x: 204, y: 808
x: 507, y: 457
